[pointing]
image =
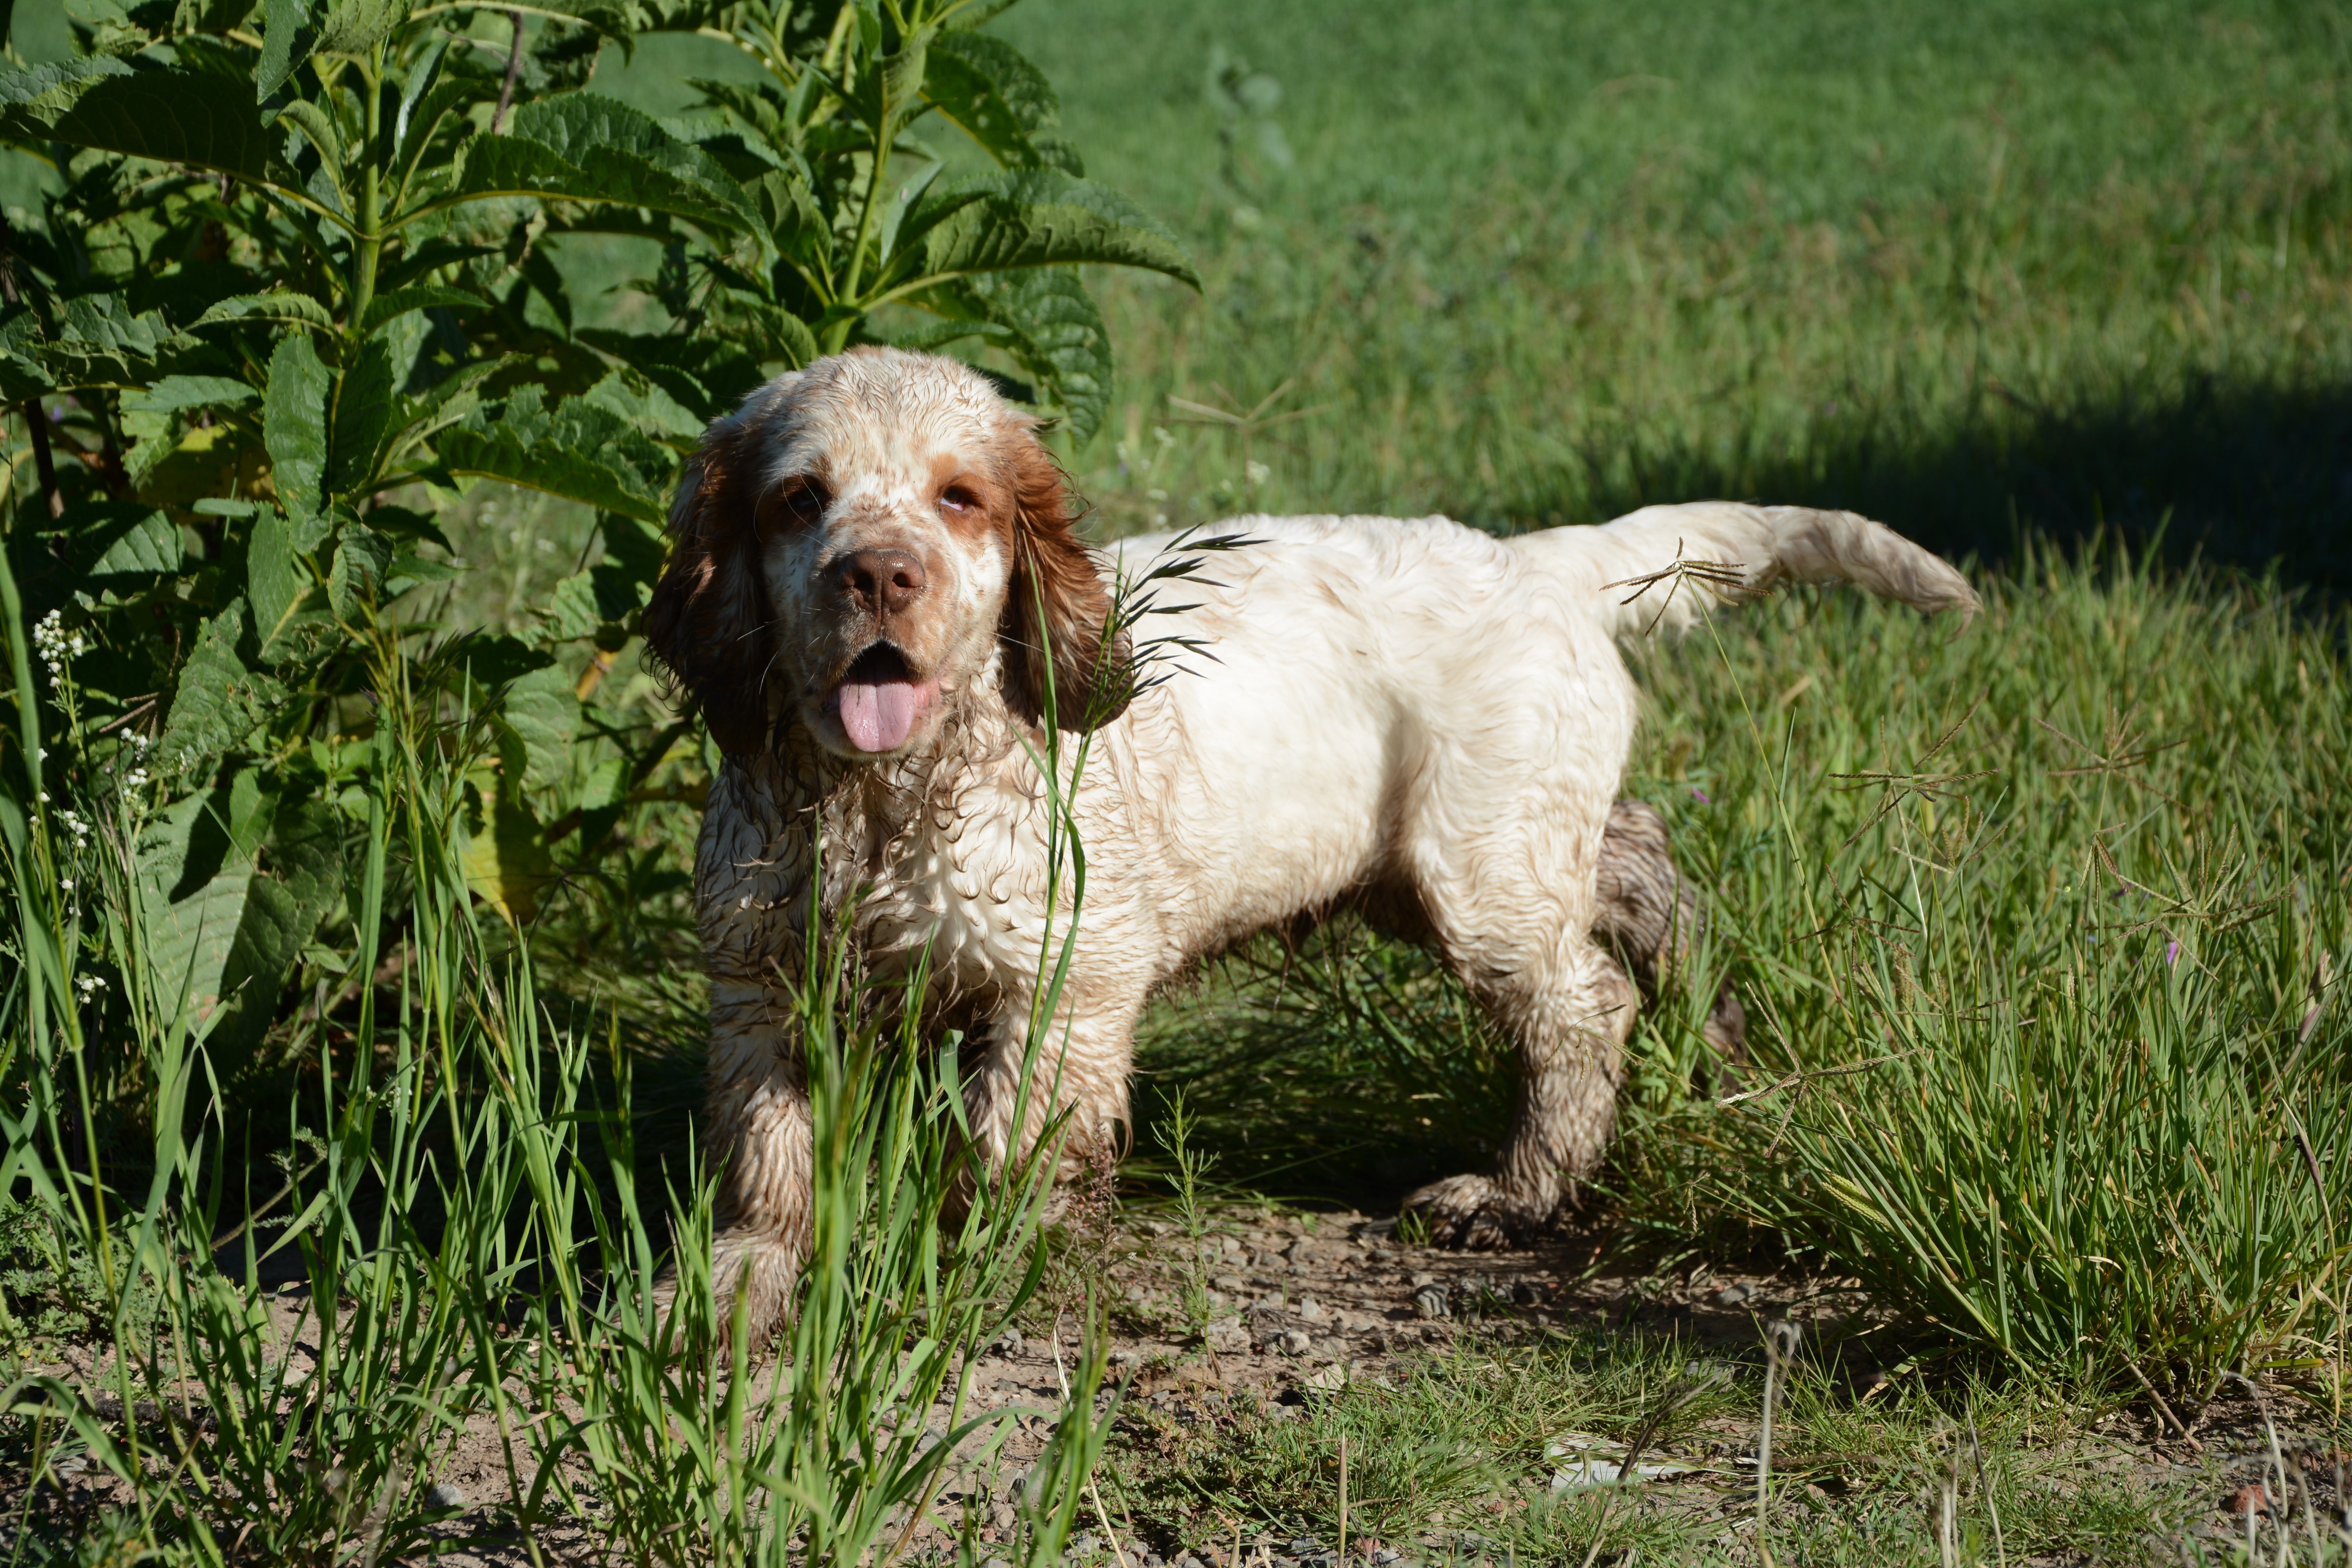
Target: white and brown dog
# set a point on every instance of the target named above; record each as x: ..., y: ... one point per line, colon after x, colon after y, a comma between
x: 1404, y: 715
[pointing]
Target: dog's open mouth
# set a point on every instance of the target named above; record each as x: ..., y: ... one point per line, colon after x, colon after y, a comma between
x: 880, y: 699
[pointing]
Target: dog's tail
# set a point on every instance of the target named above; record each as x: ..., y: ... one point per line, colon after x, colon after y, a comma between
x: 1663, y: 567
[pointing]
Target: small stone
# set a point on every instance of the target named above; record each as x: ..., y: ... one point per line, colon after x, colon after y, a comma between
x: 1010, y: 1342
x: 441, y: 1494
x: 1296, y: 1342
x: 1733, y: 1295
x: 1230, y: 1283
x: 1310, y: 1309
x: 1419, y: 1278
x: 1527, y: 1293
x: 2248, y: 1500
x: 1429, y: 1301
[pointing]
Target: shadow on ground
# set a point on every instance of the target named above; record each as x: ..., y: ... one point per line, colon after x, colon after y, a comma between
x: 2237, y: 476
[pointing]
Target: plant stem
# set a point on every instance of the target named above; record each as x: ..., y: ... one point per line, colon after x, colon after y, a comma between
x: 514, y: 69
x: 367, y: 246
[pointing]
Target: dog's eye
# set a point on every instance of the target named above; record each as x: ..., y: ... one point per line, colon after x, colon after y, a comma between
x: 799, y: 500
x: 955, y: 498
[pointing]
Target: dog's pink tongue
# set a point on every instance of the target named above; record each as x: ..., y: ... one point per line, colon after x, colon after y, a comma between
x: 877, y: 714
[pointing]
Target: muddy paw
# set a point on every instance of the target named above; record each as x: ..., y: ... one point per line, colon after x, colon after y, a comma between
x: 1473, y: 1213
x: 762, y: 1269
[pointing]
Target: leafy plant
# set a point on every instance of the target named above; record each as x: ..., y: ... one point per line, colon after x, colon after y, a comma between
x: 295, y: 292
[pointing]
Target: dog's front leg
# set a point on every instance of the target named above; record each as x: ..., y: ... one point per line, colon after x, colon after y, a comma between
x: 1077, y: 1071
x: 758, y: 1131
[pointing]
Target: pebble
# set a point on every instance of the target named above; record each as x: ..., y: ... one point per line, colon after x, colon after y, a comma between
x: 1429, y: 1301
x: 1732, y: 1295
x: 443, y: 1495
x: 1296, y: 1342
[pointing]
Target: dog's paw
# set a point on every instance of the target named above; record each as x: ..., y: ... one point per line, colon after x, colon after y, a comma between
x: 762, y: 1269
x: 1473, y: 1213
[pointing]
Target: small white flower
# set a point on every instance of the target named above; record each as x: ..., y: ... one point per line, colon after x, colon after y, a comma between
x: 55, y: 644
x: 90, y: 986
x: 65, y: 884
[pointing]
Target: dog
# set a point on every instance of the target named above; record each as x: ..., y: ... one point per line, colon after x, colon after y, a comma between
x: 877, y: 594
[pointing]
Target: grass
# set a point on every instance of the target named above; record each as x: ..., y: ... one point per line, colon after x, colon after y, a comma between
x: 1477, y: 1450
x: 2043, y: 929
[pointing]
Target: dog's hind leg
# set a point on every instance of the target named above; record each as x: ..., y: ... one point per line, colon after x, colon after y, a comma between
x: 1569, y: 1009
x: 1648, y: 916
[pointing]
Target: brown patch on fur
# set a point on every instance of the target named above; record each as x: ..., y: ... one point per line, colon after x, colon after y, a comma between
x: 708, y: 622
x: 1056, y: 579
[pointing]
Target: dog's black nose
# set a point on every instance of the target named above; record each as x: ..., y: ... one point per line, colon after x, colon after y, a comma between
x: 882, y: 582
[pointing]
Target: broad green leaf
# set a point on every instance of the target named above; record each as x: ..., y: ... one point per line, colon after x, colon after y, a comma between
x: 584, y: 147
x: 400, y: 302
x: 275, y: 582
x: 1057, y: 335
x: 355, y: 26
x: 196, y: 880
x: 644, y: 405
x: 289, y: 309
x: 99, y: 342
x: 1043, y: 217
x: 219, y: 701
x: 589, y: 604
x: 997, y: 97
x: 32, y: 101
x: 505, y: 849
x: 354, y: 585
x: 287, y: 39
x: 234, y: 880
x: 23, y: 375
x: 705, y: 374
x: 300, y: 114
x: 179, y: 394
x: 188, y: 113
x: 545, y: 716
x: 367, y: 415
x: 294, y: 422
x: 576, y: 450
x: 298, y: 881
x: 125, y: 540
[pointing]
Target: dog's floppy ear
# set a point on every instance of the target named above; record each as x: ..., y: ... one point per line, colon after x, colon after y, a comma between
x: 1056, y: 584
x: 708, y: 622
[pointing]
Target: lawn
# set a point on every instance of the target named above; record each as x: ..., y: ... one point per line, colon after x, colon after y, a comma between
x: 2042, y: 927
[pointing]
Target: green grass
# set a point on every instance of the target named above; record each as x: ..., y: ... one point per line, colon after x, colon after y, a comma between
x: 2062, y: 286
x: 1461, y: 1451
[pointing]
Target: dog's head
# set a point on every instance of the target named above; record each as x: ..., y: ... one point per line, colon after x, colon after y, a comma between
x: 864, y: 540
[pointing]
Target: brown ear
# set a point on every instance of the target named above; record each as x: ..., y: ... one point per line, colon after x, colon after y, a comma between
x: 707, y: 622
x: 1057, y: 585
